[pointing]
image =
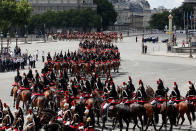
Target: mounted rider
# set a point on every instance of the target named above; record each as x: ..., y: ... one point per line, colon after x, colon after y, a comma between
x: 175, y: 94
x: 191, y: 92
x: 130, y: 87
x: 126, y: 91
x: 141, y: 93
x: 161, y: 90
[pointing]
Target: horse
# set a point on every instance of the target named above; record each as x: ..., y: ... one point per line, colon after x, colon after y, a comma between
x: 48, y: 95
x: 167, y: 111
x: 121, y: 112
x: 184, y: 108
x: 137, y: 111
x: 39, y: 102
x: 24, y: 96
x: 150, y: 93
x: 15, y: 89
x: 150, y: 115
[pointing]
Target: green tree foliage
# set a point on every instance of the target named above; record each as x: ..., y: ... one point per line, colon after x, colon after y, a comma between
x: 107, y: 12
x: 179, y: 13
x: 14, y: 14
x: 85, y: 18
x: 158, y: 21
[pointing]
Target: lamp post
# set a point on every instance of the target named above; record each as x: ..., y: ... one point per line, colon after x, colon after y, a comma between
x: 1, y: 35
x: 191, y: 56
x: 8, y: 40
x: 25, y: 34
x: 16, y: 35
x: 44, y: 32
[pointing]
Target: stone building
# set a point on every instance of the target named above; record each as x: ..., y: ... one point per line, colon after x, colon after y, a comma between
x: 132, y: 13
x: 41, y: 6
x: 192, y: 2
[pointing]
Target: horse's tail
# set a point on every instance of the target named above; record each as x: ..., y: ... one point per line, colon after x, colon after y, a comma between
x: 192, y: 110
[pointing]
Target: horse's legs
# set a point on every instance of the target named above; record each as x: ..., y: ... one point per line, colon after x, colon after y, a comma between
x: 163, y: 122
x: 178, y: 119
x: 127, y: 122
x: 154, y: 124
x: 114, y: 123
x: 121, y: 124
x: 14, y: 101
x: 148, y: 123
x: 189, y: 118
x: 140, y: 118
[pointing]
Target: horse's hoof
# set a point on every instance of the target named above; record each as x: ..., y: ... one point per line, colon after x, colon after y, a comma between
x: 190, y: 126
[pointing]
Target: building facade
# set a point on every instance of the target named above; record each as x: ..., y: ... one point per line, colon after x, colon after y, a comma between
x: 41, y: 6
x: 132, y: 13
x: 192, y: 2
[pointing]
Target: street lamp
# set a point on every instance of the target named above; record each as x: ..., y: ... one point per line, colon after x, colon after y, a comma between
x: 25, y: 34
x: 16, y: 39
x: 8, y: 39
x: 191, y: 56
x: 44, y: 32
x: 1, y: 35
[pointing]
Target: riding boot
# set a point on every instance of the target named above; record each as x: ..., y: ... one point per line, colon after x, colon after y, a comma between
x: 11, y: 93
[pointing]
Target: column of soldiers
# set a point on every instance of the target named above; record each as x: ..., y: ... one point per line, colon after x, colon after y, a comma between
x: 16, y: 61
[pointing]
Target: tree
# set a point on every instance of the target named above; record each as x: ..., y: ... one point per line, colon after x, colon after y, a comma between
x: 14, y: 14
x: 107, y: 12
x: 159, y: 21
x: 179, y: 13
x: 23, y: 13
x: 85, y: 18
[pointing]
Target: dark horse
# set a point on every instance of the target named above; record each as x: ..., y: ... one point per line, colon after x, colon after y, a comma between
x: 167, y: 111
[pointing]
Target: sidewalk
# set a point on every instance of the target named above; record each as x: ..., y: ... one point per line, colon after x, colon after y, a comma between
x: 169, y: 54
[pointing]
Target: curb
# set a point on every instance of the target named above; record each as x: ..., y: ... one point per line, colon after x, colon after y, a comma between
x: 170, y: 56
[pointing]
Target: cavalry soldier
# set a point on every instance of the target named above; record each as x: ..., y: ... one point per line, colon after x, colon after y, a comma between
x: 37, y: 77
x: 141, y: 93
x: 30, y: 74
x: 30, y: 122
x: 161, y: 91
x: 192, y: 91
x: 175, y: 94
x: 130, y: 87
x: 126, y: 93
x: 113, y: 92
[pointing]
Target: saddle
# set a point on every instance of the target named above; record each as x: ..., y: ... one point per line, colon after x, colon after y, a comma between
x: 23, y: 88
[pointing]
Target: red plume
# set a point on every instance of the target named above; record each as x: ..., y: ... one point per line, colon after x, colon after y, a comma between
x: 5, y: 105
x: 140, y: 82
x: 124, y: 83
x: 30, y: 111
x: 17, y: 106
x: 175, y: 83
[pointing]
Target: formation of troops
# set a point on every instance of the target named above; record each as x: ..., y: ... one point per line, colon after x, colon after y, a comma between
x: 12, y: 61
x: 86, y: 35
x: 75, y: 87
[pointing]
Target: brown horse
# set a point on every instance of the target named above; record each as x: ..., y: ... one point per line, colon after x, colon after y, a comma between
x: 15, y: 89
x: 25, y: 97
x: 150, y: 93
x: 184, y: 108
x: 137, y: 111
x: 150, y: 114
x: 39, y: 102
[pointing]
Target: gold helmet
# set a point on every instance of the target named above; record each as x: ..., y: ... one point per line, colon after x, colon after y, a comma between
x: 88, y: 119
x: 108, y: 92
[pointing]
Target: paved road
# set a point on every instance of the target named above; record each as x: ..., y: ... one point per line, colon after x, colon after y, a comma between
x: 133, y: 63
